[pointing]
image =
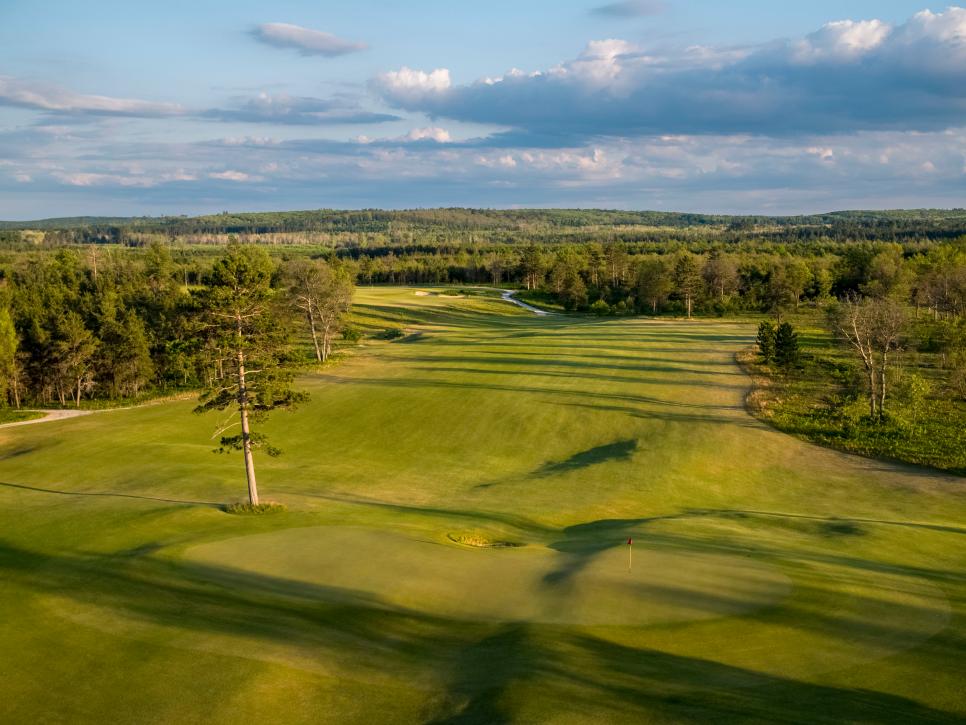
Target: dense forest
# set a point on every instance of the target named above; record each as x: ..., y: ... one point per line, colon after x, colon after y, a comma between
x: 78, y: 326
x: 112, y: 309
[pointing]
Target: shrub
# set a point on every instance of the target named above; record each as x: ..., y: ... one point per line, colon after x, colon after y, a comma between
x: 390, y: 333
x: 913, y: 392
x: 269, y: 507
x: 600, y: 308
x: 351, y: 334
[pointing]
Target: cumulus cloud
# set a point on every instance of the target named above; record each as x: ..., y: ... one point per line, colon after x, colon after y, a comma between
x: 297, y: 110
x: 305, y: 40
x: 841, y: 40
x: 53, y: 99
x: 631, y: 9
x: 432, y: 133
x: 410, y: 87
x: 846, y: 77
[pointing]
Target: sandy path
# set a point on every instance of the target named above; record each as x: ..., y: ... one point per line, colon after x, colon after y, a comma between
x: 508, y: 296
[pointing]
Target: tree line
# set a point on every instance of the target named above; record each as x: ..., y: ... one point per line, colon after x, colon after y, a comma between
x: 76, y: 326
x: 374, y: 227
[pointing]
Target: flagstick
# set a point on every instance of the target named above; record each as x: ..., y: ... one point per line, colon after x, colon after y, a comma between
x: 630, y: 549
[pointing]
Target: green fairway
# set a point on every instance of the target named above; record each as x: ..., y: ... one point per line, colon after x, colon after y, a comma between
x: 454, y: 549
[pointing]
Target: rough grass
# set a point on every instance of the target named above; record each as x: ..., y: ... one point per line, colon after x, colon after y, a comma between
x: 12, y: 415
x: 821, y: 400
x: 771, y: 579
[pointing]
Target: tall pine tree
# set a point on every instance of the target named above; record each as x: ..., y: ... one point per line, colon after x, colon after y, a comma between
x: 247, y: 335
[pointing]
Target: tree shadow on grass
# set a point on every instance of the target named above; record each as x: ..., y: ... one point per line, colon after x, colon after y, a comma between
x: 519, y: 522
x: 24, y: 449
x: 417, y: 384
x: 108, y: 494
x: 739, y: 418
x: 480, y: 670
x: 830, y: 524
x: 622, y: 450
x: 591, y: 678
x: 595, y: 376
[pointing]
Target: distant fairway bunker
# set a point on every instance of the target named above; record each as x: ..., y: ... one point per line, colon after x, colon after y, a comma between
x: 505, y: 584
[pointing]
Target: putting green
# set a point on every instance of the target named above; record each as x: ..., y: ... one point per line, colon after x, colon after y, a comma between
x: 532, y: 584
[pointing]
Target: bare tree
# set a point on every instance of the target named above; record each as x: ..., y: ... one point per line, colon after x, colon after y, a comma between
x: 323, y: 295
x: 874, y: 328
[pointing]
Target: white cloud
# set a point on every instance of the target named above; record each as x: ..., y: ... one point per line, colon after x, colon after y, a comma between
x: 15, y: 92
x: 432, y: 133
x: 848, y: 76
x: 232, y: 175
x: 825, y: 154
x: 134, y: 178
x: 411, y: 86
x: 305, y: 40
x: 843, y: 40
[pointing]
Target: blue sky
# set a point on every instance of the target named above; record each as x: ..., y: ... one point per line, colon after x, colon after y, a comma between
x: 748, y: 106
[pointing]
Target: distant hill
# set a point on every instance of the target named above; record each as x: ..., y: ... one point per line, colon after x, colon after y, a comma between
x: 518, y: 224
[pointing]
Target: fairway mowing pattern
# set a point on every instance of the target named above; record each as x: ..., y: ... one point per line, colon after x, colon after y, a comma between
x: 771, y: 579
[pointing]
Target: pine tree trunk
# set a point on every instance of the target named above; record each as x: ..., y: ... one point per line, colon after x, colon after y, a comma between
x: 246, y: 431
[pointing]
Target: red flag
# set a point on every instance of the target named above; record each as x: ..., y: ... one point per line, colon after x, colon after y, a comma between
x: 630, y: 541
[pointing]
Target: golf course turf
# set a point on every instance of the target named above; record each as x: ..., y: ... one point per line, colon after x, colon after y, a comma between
x: 454, y: 545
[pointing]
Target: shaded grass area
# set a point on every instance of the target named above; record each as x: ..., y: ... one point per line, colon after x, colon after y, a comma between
x: 772, y: 580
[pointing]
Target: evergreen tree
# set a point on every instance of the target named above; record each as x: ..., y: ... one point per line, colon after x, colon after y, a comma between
x: 248, y: 339
x: 653, y: 282
x: 687, y: 279
x: 786, y: 346
x: 766, y: 341
x: 126, y: 363
x: 72, y: 354
x: 9, y: 370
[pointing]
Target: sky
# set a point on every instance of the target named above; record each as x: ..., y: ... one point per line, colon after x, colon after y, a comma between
x: 751, y: 106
